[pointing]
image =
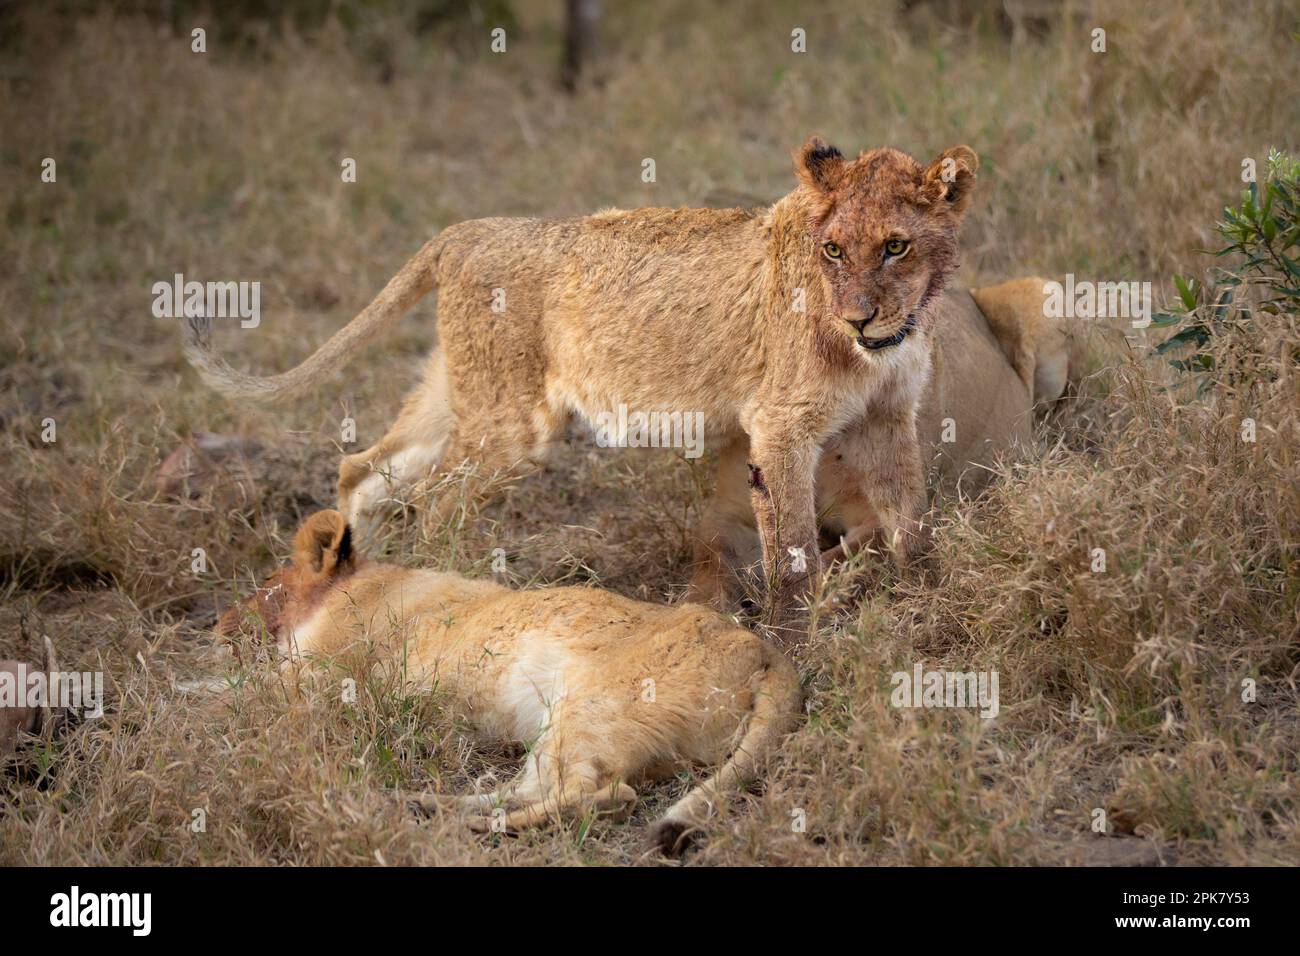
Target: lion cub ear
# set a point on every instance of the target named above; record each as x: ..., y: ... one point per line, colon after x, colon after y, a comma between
x: 323, y: 544
x: 951, y: 177
x: 819, y: 165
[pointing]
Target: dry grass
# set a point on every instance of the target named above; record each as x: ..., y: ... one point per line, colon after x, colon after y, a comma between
x: 1119, y: 691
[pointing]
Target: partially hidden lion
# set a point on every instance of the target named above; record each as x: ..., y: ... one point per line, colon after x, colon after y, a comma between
x: 604, y: 691
x: 997, y: 359
x: 782, y: 325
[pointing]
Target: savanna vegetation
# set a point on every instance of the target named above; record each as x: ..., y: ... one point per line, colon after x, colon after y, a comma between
x: 1161, y: 691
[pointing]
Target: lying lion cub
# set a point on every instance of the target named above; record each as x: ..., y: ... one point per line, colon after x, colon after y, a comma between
x: 605, y: 691
x: 782, y: 326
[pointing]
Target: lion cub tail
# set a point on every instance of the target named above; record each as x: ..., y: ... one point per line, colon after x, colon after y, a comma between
x: 412, y: 282
x: 778, y: 702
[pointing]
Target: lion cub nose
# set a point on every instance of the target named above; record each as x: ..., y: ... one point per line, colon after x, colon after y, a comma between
x: 862, y: 316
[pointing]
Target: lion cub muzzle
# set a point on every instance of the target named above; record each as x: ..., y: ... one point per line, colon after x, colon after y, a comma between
x: 889, y: 341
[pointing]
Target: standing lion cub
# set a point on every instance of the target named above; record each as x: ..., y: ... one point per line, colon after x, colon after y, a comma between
x: 782, y: 325
x: 605, y: 691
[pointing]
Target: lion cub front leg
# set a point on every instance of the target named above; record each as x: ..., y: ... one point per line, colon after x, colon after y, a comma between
x: 782, y: 467
x: 875, y: 473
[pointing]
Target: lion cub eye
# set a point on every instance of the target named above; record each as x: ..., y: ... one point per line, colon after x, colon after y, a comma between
x: 832, y: 251
x: 895, y: 247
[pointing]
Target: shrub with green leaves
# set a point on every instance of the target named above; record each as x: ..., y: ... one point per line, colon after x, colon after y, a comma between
x: 1263, y: 276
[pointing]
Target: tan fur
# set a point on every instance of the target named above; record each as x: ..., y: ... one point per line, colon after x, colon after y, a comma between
x: 677, y: 310
x: 986, y: 359
x: 1041, y: 349
x: 605, y: 691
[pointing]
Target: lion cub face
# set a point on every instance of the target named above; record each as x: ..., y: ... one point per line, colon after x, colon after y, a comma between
x: 322, y: 558
x: 886, y: 231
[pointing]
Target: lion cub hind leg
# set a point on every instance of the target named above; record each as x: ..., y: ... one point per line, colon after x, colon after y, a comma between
x: 557, y: 784
x: 724, y: 540
x: 578, y: 797
x: 566, y: 775
x: 491, y: 452
x: 467, y: 803
x: 429, y: 440
x: 774, y: 712
x: 412, y: 449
